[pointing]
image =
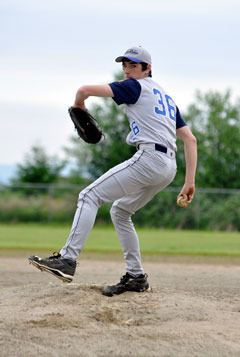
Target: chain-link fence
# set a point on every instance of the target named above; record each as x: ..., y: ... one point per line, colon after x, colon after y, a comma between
x: 213, y: 209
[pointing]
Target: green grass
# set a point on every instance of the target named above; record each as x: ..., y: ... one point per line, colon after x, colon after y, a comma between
x: 104, y: 239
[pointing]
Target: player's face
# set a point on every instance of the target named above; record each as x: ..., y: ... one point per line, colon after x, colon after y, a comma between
x: 133, y: 70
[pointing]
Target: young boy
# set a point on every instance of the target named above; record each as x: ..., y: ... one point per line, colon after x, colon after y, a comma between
x: 155, y: 122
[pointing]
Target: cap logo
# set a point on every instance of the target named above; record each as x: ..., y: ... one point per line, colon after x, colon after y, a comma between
x: 134, y: 52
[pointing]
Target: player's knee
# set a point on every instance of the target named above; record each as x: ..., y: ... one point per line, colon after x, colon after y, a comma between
x: 88, y: 196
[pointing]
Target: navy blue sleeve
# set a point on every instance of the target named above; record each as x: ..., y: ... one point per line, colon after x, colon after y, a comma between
x: 126, y: 92
x: 179, y: 120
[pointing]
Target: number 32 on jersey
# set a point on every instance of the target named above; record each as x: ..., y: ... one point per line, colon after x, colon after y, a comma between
x: 166, y: 108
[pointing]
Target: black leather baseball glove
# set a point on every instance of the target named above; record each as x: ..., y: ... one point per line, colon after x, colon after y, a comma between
x: 86, y: 126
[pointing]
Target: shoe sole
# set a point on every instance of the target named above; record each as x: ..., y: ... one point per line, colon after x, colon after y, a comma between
x: 57, y: 273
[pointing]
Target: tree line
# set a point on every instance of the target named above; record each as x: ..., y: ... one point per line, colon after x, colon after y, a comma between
x: 214, y: 118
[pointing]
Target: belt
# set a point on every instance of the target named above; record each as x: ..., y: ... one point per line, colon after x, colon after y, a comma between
x: 158, y: 147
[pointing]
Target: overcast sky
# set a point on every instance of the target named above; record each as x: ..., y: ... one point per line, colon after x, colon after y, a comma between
x: 51, y: 47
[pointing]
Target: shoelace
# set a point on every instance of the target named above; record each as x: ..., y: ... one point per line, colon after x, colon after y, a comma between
x: 55, y: 255
x: 124, y: 279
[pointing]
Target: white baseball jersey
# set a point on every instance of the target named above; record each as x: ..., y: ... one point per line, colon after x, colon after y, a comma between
x: 153, y: 115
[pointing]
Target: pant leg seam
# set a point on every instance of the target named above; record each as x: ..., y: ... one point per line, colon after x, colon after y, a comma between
x: 87, y: 192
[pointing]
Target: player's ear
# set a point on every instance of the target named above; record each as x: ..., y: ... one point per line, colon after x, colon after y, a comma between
x: 149, y: 69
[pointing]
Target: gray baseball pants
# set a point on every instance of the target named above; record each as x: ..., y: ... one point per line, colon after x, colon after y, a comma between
x: 129, y: 185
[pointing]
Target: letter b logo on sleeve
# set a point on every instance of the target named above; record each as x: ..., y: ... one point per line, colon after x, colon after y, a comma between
x: 135, y: 128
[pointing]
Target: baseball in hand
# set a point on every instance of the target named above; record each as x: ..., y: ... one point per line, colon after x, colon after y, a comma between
x: 182, y: 202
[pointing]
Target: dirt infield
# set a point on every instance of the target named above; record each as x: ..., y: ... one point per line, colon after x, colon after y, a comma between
x: 193, y: 310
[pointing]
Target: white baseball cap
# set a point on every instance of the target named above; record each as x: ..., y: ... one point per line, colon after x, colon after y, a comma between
x: 136, y: 54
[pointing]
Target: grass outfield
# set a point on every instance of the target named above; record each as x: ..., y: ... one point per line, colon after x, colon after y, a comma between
x: 37, y: 237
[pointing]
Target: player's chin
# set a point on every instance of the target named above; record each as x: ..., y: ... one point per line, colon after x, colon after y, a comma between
x: 129, y: 77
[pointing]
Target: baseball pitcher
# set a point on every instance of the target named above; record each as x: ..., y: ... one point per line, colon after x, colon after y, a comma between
x: 155, y: 122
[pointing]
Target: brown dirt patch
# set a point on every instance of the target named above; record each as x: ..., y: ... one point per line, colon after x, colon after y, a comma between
x: 192, y: 310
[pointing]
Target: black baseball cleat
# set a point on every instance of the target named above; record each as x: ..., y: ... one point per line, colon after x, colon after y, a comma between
x: 128, y: 283
x: 63, y: 269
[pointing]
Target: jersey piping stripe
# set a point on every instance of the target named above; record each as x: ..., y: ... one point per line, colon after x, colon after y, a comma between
x: 90, y: 189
